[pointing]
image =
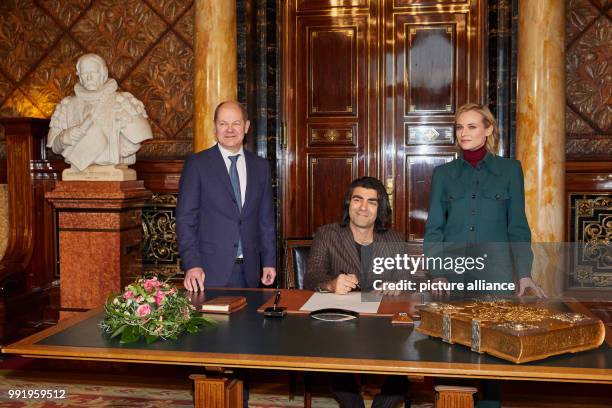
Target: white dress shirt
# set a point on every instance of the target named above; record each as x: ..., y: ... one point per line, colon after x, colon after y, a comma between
x: 240, y: 166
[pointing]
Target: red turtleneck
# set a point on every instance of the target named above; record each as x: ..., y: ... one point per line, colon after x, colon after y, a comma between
x: 474, y: 156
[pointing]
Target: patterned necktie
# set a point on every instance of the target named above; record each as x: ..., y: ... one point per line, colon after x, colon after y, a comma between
x: 233, y: 172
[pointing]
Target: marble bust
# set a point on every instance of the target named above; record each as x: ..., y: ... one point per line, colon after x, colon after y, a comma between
x: 98, y: 130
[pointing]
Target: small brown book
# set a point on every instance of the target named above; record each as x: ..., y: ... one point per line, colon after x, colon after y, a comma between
x: 401, y: 318
x: 224, y: 304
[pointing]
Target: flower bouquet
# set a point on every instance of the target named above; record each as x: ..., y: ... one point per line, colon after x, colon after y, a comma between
x: 151, y: 309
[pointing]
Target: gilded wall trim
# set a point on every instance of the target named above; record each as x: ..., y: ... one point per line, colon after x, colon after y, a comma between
x: 160, y: 249
x: 591, y: 226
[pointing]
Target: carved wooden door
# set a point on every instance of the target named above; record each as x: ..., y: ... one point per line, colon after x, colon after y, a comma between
x: 370, y: 88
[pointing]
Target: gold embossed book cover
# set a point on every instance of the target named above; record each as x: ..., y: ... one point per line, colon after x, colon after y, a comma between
x: 517, y: 332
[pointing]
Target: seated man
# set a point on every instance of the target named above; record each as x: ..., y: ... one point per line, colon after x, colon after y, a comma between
x: 335, y: 264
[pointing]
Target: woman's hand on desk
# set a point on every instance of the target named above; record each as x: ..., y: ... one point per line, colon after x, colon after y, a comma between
x: 194, y: 279
x: 525, y: 283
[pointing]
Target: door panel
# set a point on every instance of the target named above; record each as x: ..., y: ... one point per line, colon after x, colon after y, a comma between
x: 325, y: 201
x: 332, y: 71
x: 330, y: 118
x: 427, y: 76
x: 418, y: 169
x: 430, y: 68
x: 371, y: 88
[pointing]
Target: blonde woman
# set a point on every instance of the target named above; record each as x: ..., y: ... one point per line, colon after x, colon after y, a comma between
x: 477, y: 206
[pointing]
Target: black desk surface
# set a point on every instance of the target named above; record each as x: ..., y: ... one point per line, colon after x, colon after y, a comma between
x: 369, y: 344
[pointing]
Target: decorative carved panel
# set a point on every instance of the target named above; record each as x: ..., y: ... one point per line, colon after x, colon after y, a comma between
x: 430, y: 68
x: 184, y: 27
x: 121, y: 35
x: 591, y: 225
x: 169, y: 102
x: 309, y: 5
x: 332, y: 135
x: 160, y: 249
x: 147, y: 45
x: 332, y: 69
x: 328, y: 179
x: 55, y: 76
x: 170, y: 9
x: 65, y: 11
x: 429, y: 135
x: 589, y: 86
x: 414, y: 3
x: 579, y: 15
x: 19, y: 105
x: 27, y: 33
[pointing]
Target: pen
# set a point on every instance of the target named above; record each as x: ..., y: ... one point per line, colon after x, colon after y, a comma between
x: 357, y: 287
x: 276, y: 299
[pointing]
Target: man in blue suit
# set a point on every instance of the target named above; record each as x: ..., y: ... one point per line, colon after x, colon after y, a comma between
x: 224, y: 216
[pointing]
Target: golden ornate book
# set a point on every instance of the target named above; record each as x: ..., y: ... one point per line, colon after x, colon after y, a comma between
x: 518, y: 332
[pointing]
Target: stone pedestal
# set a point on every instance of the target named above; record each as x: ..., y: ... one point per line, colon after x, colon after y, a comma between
x: 100, y: 237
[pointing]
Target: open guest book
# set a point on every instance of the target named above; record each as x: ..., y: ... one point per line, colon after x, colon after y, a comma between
x: 305, y: 301
x: 223, y: 304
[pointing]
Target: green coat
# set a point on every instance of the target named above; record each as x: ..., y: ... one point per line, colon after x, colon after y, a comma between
x: 481, y: 205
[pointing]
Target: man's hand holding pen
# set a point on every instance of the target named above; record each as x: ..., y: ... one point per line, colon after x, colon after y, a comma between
x: 343, y: 284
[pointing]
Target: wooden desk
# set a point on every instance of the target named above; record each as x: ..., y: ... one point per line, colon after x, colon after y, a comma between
x: 246, y: 339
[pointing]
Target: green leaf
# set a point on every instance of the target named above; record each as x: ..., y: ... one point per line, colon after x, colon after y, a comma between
x: 118, y: 331
x: 130, y: 334
x: 151, y: 338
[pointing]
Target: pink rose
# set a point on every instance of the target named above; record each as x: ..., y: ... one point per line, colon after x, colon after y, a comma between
x: 143, y: 310
x: 159, y: 297
x: 139, y: 299
x: 128, y: 295
x: 150, y: 284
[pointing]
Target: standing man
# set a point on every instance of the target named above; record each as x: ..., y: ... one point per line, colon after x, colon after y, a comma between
x: 224, y: 216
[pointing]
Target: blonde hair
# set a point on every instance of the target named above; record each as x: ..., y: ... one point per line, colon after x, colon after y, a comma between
x: 488, y: 120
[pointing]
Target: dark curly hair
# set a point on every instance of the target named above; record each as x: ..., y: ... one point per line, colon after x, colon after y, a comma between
x: 383, y: 216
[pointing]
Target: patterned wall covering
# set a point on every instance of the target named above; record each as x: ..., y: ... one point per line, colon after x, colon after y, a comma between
x: 591, y: 224
x: 160, y: 251
x: 588, y: 120
x: 147, y: 45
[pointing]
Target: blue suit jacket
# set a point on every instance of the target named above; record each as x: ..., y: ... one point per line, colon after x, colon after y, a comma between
x: 209, y: 225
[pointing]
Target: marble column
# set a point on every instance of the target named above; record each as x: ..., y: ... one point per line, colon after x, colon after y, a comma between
x: 215, y: 64
x: 540, y: 141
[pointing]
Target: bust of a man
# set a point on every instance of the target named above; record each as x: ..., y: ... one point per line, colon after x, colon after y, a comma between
x: 98, y: 130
